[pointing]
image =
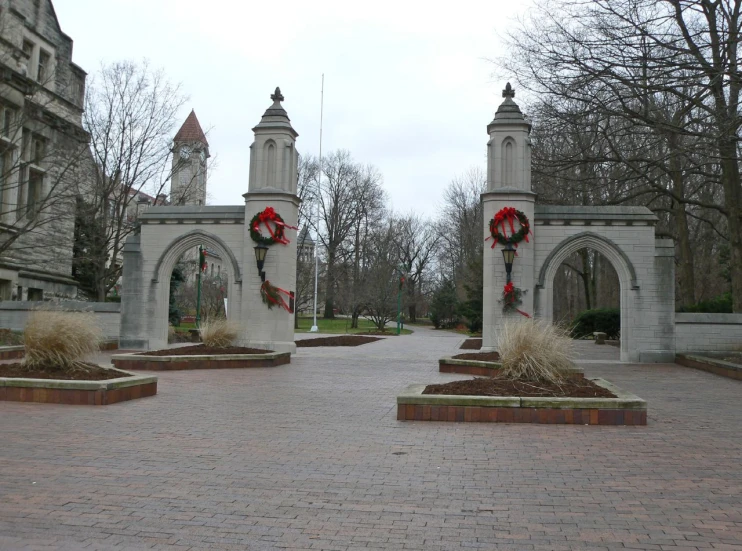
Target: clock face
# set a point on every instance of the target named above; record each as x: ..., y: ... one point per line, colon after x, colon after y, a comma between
x: 185, y: 152
x: 203, y: 156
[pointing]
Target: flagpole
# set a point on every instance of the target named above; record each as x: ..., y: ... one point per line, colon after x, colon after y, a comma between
x: 314, y: 328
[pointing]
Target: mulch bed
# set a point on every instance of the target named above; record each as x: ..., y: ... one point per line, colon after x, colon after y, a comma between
x: 479, y: 356
x: 471, y: 344
x: 201, y: 350
x: 571, y: 388
x: 342, y: 340
x: 91, y: 373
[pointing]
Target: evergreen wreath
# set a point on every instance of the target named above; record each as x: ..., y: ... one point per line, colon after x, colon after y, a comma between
x: 498, y: 227
x: 266, y: 217
x: 512, y: 297
x: 271, y: 296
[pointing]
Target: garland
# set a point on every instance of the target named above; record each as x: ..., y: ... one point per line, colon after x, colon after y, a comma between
x: 511, y: 299
x: 504, y: 218
x: 271, y: 296
x: 266, y: 217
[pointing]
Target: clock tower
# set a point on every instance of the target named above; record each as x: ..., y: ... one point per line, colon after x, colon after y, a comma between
x: 189, y: 172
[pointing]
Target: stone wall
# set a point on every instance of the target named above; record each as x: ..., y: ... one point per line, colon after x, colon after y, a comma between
x: 14, y: 314
x: 707, y: 332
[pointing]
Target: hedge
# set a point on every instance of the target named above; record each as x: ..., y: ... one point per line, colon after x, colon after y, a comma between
x: 605, y: 320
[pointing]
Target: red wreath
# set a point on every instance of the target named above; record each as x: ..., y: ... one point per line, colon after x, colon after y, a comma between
x: 275, y: 224
x: 504, y: 219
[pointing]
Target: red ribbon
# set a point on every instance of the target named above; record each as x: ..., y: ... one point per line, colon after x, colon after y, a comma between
x: 280, y: 301
x: 270, y: 215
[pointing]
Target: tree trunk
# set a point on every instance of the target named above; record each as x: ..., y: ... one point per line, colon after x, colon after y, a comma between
x: 354, y: 320
x: 731, y: 180
x: 330, y: 286
x: 586, y: 279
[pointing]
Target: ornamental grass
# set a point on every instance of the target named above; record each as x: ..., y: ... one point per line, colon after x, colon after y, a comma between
x: 59, y: 341
x: 535, y: 350
x: 219, y: 333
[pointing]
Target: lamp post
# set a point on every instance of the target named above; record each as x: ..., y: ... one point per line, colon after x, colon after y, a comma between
x: 400, y: 269
x: 201, y: 261
x: 508, y: 254
x: 260, y: 252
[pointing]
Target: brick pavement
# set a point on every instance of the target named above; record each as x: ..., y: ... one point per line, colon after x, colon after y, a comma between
x: 310, y: 456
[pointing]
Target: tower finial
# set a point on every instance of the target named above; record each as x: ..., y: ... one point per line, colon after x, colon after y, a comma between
x: 277, y: 95
x: 508, y: 92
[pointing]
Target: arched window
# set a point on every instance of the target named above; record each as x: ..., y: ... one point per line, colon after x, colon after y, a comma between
x: 508, y: 163
x: 270, y: 164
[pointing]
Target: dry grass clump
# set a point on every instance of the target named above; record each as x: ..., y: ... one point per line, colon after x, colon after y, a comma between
x: 58, y: 341
x: 535, y: 350
x: 219, y: 333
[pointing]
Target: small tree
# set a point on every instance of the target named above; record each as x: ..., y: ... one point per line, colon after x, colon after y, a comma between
x: 445, y: 305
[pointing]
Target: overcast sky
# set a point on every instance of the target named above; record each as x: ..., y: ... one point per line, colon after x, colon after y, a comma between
x: 408, y: 86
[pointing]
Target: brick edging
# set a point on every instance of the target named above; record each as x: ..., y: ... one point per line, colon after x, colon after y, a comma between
x: 710, y: 365
x: 182, y: 363
x: 478, y: 414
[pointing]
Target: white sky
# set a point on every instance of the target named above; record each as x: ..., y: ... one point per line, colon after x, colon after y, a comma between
x: 408, y: 87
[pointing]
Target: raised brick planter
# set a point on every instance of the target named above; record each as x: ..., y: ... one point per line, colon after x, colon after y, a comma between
x: 12, y: 352
x: 90, y: 393
x: 626, y: 409
x: 482, y: 369
x: 712, y: 365
x: 140, y: 362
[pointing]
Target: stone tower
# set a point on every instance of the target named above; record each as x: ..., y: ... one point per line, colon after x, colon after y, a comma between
x: 508, y: 185
x: 189, y: 171
x: 274, y: 165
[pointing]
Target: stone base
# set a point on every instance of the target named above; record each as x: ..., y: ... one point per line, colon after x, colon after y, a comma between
x: 712, y: 365
x: 140, y: 362
x: 626, y: 409
x: 91, y: 393
x: 657, y: 356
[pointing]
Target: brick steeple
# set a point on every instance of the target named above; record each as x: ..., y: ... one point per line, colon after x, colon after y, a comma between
x: 191, y: 131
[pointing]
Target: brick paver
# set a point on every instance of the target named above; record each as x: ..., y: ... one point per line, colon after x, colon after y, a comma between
x: 310, y: 456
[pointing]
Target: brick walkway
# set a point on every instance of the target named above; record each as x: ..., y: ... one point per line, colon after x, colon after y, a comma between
x: 310, y: 456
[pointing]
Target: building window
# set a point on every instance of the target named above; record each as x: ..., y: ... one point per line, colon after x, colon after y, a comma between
x: 77, y: 91
x: 6, y: 122
x: 28, y: 48
x: 39, y: 150
x: 35, y: 294
x: 33, y: 194
x: 44, y: 65
x: 6, y: 165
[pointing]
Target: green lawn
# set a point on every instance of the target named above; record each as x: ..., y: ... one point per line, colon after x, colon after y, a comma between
x: 342, y: 325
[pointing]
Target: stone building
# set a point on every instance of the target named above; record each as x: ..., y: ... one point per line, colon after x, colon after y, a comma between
x: 42, y: 151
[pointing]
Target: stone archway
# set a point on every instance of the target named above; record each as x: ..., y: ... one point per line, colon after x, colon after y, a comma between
x: 544, y: 299
x: 166, y: 262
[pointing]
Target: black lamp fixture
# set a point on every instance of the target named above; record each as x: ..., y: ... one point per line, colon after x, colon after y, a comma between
x: 260, y: 251
x: 508, y: 254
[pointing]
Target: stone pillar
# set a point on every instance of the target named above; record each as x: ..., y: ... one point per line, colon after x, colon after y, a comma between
x: 133, y: 334
x: 663, y: 307
x: 508, y: 185
x: 273, y: 180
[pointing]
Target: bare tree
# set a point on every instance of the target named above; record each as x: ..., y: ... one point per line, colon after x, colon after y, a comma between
x: 417, y: 241
x: 340, y: 202
x: 652, y: 90
x: 130, y: 116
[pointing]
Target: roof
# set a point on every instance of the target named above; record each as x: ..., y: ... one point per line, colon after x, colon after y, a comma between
x: 305, y: 240
x: 191, y: 131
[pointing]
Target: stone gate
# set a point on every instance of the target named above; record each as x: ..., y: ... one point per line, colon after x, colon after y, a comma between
x: 166, y: 233
x: 624, y: 235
